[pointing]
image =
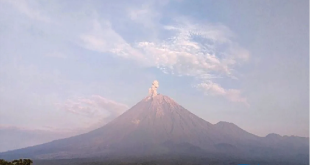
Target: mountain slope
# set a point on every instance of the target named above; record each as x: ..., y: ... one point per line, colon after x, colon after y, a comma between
x: 154, y: 126
x: 152, y: 121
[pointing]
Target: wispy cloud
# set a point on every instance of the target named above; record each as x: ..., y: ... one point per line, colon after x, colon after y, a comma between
x: 32, y: 12
x: 94, y: 106
x: 97, y: 108
x: 203, y: 52
x: 199, y: 51
x: 211, y: 88
x: 102, y: 38
x: 196, y: 50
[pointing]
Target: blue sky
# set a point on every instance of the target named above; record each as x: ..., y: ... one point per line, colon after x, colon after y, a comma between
x: 75, y: 65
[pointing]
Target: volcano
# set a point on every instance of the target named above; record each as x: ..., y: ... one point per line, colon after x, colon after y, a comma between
x: 157, y: 125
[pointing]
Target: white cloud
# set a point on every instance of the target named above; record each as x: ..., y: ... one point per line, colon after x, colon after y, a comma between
x: 203, y: 52
x: 102, y: 38
x: 97, y: 109
x: 30, y: 11
x: 94, y: 106
x: 196, y: 50
x: 233, y: 95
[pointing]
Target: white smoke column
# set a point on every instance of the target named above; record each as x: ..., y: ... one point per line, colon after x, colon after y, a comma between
x: 153, y: 89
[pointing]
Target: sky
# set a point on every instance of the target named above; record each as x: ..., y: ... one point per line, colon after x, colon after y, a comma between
x: 76, y: 65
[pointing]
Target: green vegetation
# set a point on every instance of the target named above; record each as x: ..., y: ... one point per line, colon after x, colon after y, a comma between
x: 16, y: 162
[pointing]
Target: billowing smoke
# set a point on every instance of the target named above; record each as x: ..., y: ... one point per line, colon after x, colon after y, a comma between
x: 153, y: 89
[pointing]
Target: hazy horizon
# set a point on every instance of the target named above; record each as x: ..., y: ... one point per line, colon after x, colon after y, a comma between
x: 69, y: 67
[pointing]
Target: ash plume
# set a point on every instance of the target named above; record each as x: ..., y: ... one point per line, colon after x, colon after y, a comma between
x: 153, y: 89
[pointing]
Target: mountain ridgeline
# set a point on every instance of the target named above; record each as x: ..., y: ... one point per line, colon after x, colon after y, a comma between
x: 159, y: 126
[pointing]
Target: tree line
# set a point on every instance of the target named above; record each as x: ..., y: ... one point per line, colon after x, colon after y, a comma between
x: 16, y: 162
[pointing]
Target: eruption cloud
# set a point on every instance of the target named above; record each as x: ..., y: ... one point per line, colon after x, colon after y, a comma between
x: 153, y: 89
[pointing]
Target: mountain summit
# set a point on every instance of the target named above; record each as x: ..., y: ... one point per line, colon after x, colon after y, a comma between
x: 158, y: 125
x: 155, y: 120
